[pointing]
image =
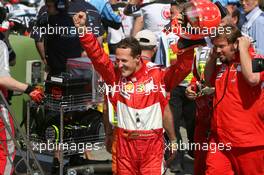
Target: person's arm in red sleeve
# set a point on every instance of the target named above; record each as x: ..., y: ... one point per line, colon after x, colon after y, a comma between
x: 252, y: 78
x: 177, y: 72
x: 99, y: 58
x: 95, y: 52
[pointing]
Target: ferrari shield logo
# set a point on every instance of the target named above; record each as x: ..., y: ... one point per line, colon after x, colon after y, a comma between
x: 129, y: 87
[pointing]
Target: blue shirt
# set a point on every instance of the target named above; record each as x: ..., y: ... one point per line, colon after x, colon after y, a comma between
x: 105, y: 10
x: 226, y: 2
x: 256, y: 30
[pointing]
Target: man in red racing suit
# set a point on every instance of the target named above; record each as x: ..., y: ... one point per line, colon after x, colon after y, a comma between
x: 138, y: 94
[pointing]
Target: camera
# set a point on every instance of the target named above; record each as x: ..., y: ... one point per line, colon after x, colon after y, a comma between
x: 258, y: 65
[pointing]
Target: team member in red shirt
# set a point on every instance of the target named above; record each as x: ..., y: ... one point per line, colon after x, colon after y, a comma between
x: 237, y: 128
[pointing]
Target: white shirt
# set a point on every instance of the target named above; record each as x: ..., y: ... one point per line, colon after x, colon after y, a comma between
x: 155, y: 16
x: 4, y: 60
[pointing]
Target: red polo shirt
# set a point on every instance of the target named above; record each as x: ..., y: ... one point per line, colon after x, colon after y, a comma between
x: 239, y: 117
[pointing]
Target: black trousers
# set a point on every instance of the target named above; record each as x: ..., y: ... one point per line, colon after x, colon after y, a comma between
x: 183, y: 109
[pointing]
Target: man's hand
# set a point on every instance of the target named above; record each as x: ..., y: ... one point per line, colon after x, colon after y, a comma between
x: 79, y: 21
x: 173, y: 152
x: 207, y: 91
x: 190, y: 93
x: 213, y: 54
x: 252, y: 78
x: 36, y: 93
x: 244, y: 43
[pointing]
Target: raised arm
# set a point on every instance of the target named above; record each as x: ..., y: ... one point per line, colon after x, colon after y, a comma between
x: 246, y: 62
x: 95, y: 52
x: 177, y: 72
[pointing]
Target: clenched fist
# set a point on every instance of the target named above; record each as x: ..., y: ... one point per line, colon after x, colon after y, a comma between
x: 244, y: 43
x: 79, y: 21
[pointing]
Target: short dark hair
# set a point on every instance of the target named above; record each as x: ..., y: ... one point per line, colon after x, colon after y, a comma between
x: 132, y: 43
x: 231, y: 33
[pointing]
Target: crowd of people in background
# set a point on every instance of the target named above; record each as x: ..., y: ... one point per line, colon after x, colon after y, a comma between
x: 206, y: 84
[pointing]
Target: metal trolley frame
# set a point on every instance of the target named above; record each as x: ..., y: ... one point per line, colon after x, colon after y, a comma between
x: 63, y: 105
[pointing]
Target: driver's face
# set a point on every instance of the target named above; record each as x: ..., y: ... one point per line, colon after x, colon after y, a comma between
x: 126, y: 63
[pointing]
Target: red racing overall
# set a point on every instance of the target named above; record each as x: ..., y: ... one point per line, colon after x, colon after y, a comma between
x: 139, y: 101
